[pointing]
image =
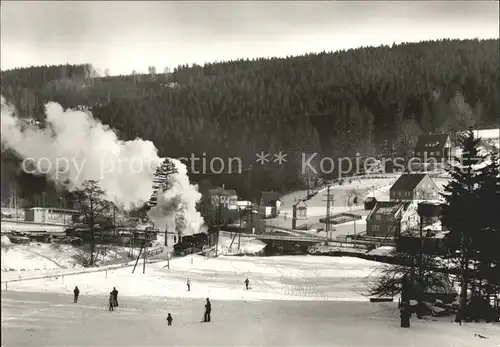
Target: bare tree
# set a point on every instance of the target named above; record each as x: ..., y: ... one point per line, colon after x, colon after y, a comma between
x: 309, y: 174
x: 152, y: 72
x: 387, y: 280
x: 106, y: 72
x: 134, y: 74
x: 352, y: 197
x: 407, y: 136
x: 94, y: 209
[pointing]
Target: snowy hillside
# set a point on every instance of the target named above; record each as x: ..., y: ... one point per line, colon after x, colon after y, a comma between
x: 316, y: 302
x: 278, y: 278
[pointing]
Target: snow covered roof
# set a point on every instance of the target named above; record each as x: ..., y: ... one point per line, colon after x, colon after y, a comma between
x: 382, y: 251
x: 407, y: 182
x: 436, y: 226
x: 223, y: 192
x: 488, y: 133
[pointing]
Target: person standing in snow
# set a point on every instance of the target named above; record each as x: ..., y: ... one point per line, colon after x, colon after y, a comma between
x: 111, y: 301
x: 115, y: 297
x: 405, y: 315
x: 188, y: 283
x: 208, y: 310
x: 76, y: 292
x: 169, y: 319
x: 247, y: 282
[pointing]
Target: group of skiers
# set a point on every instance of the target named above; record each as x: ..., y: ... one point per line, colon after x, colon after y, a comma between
x: 113, y: 301
x: 113, y: 297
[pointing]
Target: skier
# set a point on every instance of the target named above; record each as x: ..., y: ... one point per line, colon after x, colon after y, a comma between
x: 111, y: 301
x: 188, y: 283
x: 169, y: 319
x: 115, y: 297
x: 76, y: 292
x: 208, y: 310
x: 247, y: 282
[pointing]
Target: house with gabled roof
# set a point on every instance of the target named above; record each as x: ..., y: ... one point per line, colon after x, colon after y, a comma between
x: 389, y: 219
x: 433, y: 146
x: 414, y: 186
x: 217, y: 203
x: 270, y: 204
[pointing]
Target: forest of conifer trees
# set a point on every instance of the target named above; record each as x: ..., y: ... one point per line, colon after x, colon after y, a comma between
x: 372, y: 101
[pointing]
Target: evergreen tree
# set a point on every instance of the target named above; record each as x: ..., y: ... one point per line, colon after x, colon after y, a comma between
x: 487, y: 241
x: 161, y: 182
x: 461, y: 213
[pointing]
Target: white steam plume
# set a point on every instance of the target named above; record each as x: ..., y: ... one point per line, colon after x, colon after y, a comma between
x: 176, y: 203
x: 75, y: 147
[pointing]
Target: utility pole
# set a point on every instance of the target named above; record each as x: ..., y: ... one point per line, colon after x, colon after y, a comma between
x: 219, y: 222
x: 239, y: 233
x: 62, y: 215
x: 356, y: 244
x: 15, y: 201
x: 145, y: 253
x: 329, y: 199
x: 421, y: 253
x: 251, y: 218
x: 114, y: 218
x: 307, y: 182
x: 44, y: 212
x: 250, y: 179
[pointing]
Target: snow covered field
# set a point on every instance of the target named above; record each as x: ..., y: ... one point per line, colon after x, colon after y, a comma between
x: 316, y: 206
x: 49, y: 319
x: 271, y: 278
x: 292, y: 301
x: 39, y: 259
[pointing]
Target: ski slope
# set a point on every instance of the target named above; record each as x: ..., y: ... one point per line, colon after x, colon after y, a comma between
x: 49, y: 319
x: 292, y: 301
x: 271, y: 278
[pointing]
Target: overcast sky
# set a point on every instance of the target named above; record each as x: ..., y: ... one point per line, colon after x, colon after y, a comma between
x: 128, y: 35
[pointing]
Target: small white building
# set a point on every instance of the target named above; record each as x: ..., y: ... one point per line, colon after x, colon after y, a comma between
x: 49, y: 215
x: 270, y: 204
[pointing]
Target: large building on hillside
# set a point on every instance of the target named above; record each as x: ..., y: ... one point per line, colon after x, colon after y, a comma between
x: 432, y: 149
x: 411, y: 187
